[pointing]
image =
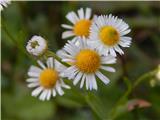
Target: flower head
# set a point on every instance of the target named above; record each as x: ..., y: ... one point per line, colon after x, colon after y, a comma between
x: 4, y: 3
x: 46, y: 79
x: 108, y: 34
x: 86, y: 64
x: 81, y: 24
x: 37, y: 45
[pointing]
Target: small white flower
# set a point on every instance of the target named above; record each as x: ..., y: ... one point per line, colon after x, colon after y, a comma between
x: 46, y: 80
x: 81, y: 24
x: 37, y: 45
x: 107, y: 34
x: 4, y: 3
x: 86, y: 64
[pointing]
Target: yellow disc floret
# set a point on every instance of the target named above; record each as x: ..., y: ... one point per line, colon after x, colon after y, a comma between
x: 81, y: 28
x: 48, y: 78
x: 88, y: 61
x: 109, y: 35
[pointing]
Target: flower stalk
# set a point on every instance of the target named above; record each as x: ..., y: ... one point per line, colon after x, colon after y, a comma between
x: 130, y: 88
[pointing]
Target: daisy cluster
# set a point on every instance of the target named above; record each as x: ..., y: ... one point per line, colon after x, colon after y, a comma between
x: 93, y: 45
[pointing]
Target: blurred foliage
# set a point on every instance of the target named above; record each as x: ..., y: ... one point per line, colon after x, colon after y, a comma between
x: 21, y: 20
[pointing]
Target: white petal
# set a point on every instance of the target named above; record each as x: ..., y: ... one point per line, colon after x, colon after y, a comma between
x: 41, y: 64
x: 125, y: 32
x: 82, y: 81
x: 108, y: 59
x: 54, y: 92
x: 70, y: 16
x: 34, y: 69
x: 88, y: 13
x: 81, y: 13
x: 118, y: 49
x: 59, y: 89
x: 33, y: 74
x: 102, y: 77
x: 37, y: 91
x: 110, y: 69
x: 67, y: 34
x: 87, y: 82
x: 67, y: 26
x: 32, y: 80
x: 90, y: 82
x: 49, y: 94
x: 94, y: 83
x: 64, y: 85
x: 77, y: 78
x: 30, y: 85
x: 112, y: 52
x: 43, y: 95
x: 50, y: 62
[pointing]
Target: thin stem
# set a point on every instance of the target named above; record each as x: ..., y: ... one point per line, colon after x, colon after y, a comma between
x: 95, y: 105
x: 52, y: 54
x: 19, y: 46
x: 131, y: 88
x: 143, y: 77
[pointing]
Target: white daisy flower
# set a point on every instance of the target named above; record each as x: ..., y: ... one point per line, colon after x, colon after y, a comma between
x: 81, y: 24
x: 46, y: 80
x: 107, y: 34
x: 86, y: 64
x: 4, y: 3
x: 37, y: 45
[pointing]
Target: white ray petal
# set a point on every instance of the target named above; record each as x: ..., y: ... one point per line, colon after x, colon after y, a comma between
x: 82, y: 81
x: 119, y: 50
x: 30, y: 85
x: 125, y: 32
x: 70, y: 16
x: 32, y: 80
x: 33, y: 74
x: 81, y: 13
x: 103, y: 78
x: 112, y: 52
x: 59, y: 89
x: 54, y: 92
x: 77, y: 78
x: 48, y: 95
x: 94, y: 83
x: 50, y: 62
x: 34, y: 69
x: 67, y: 34
x: 108, y: 59
x: 88, y: 13
x: 90, y: 82
x: 87, y: 82
x: 37, y: 91
x: 41, y: 64
x: 67, y: 26
x: 110, y: 69
x: 43, y: 95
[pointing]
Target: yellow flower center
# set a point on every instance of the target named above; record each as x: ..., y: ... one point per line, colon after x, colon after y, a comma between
x: 81, y: 28
x: 88, y: 61
x: 48, y: 78
x: 109, y: 35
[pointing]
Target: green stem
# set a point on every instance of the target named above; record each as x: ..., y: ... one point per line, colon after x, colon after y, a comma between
x: 130, y: 89
x: 52, y: 54
x: 19, y: 46
x: 95, y: 105
x: 143, y: 77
